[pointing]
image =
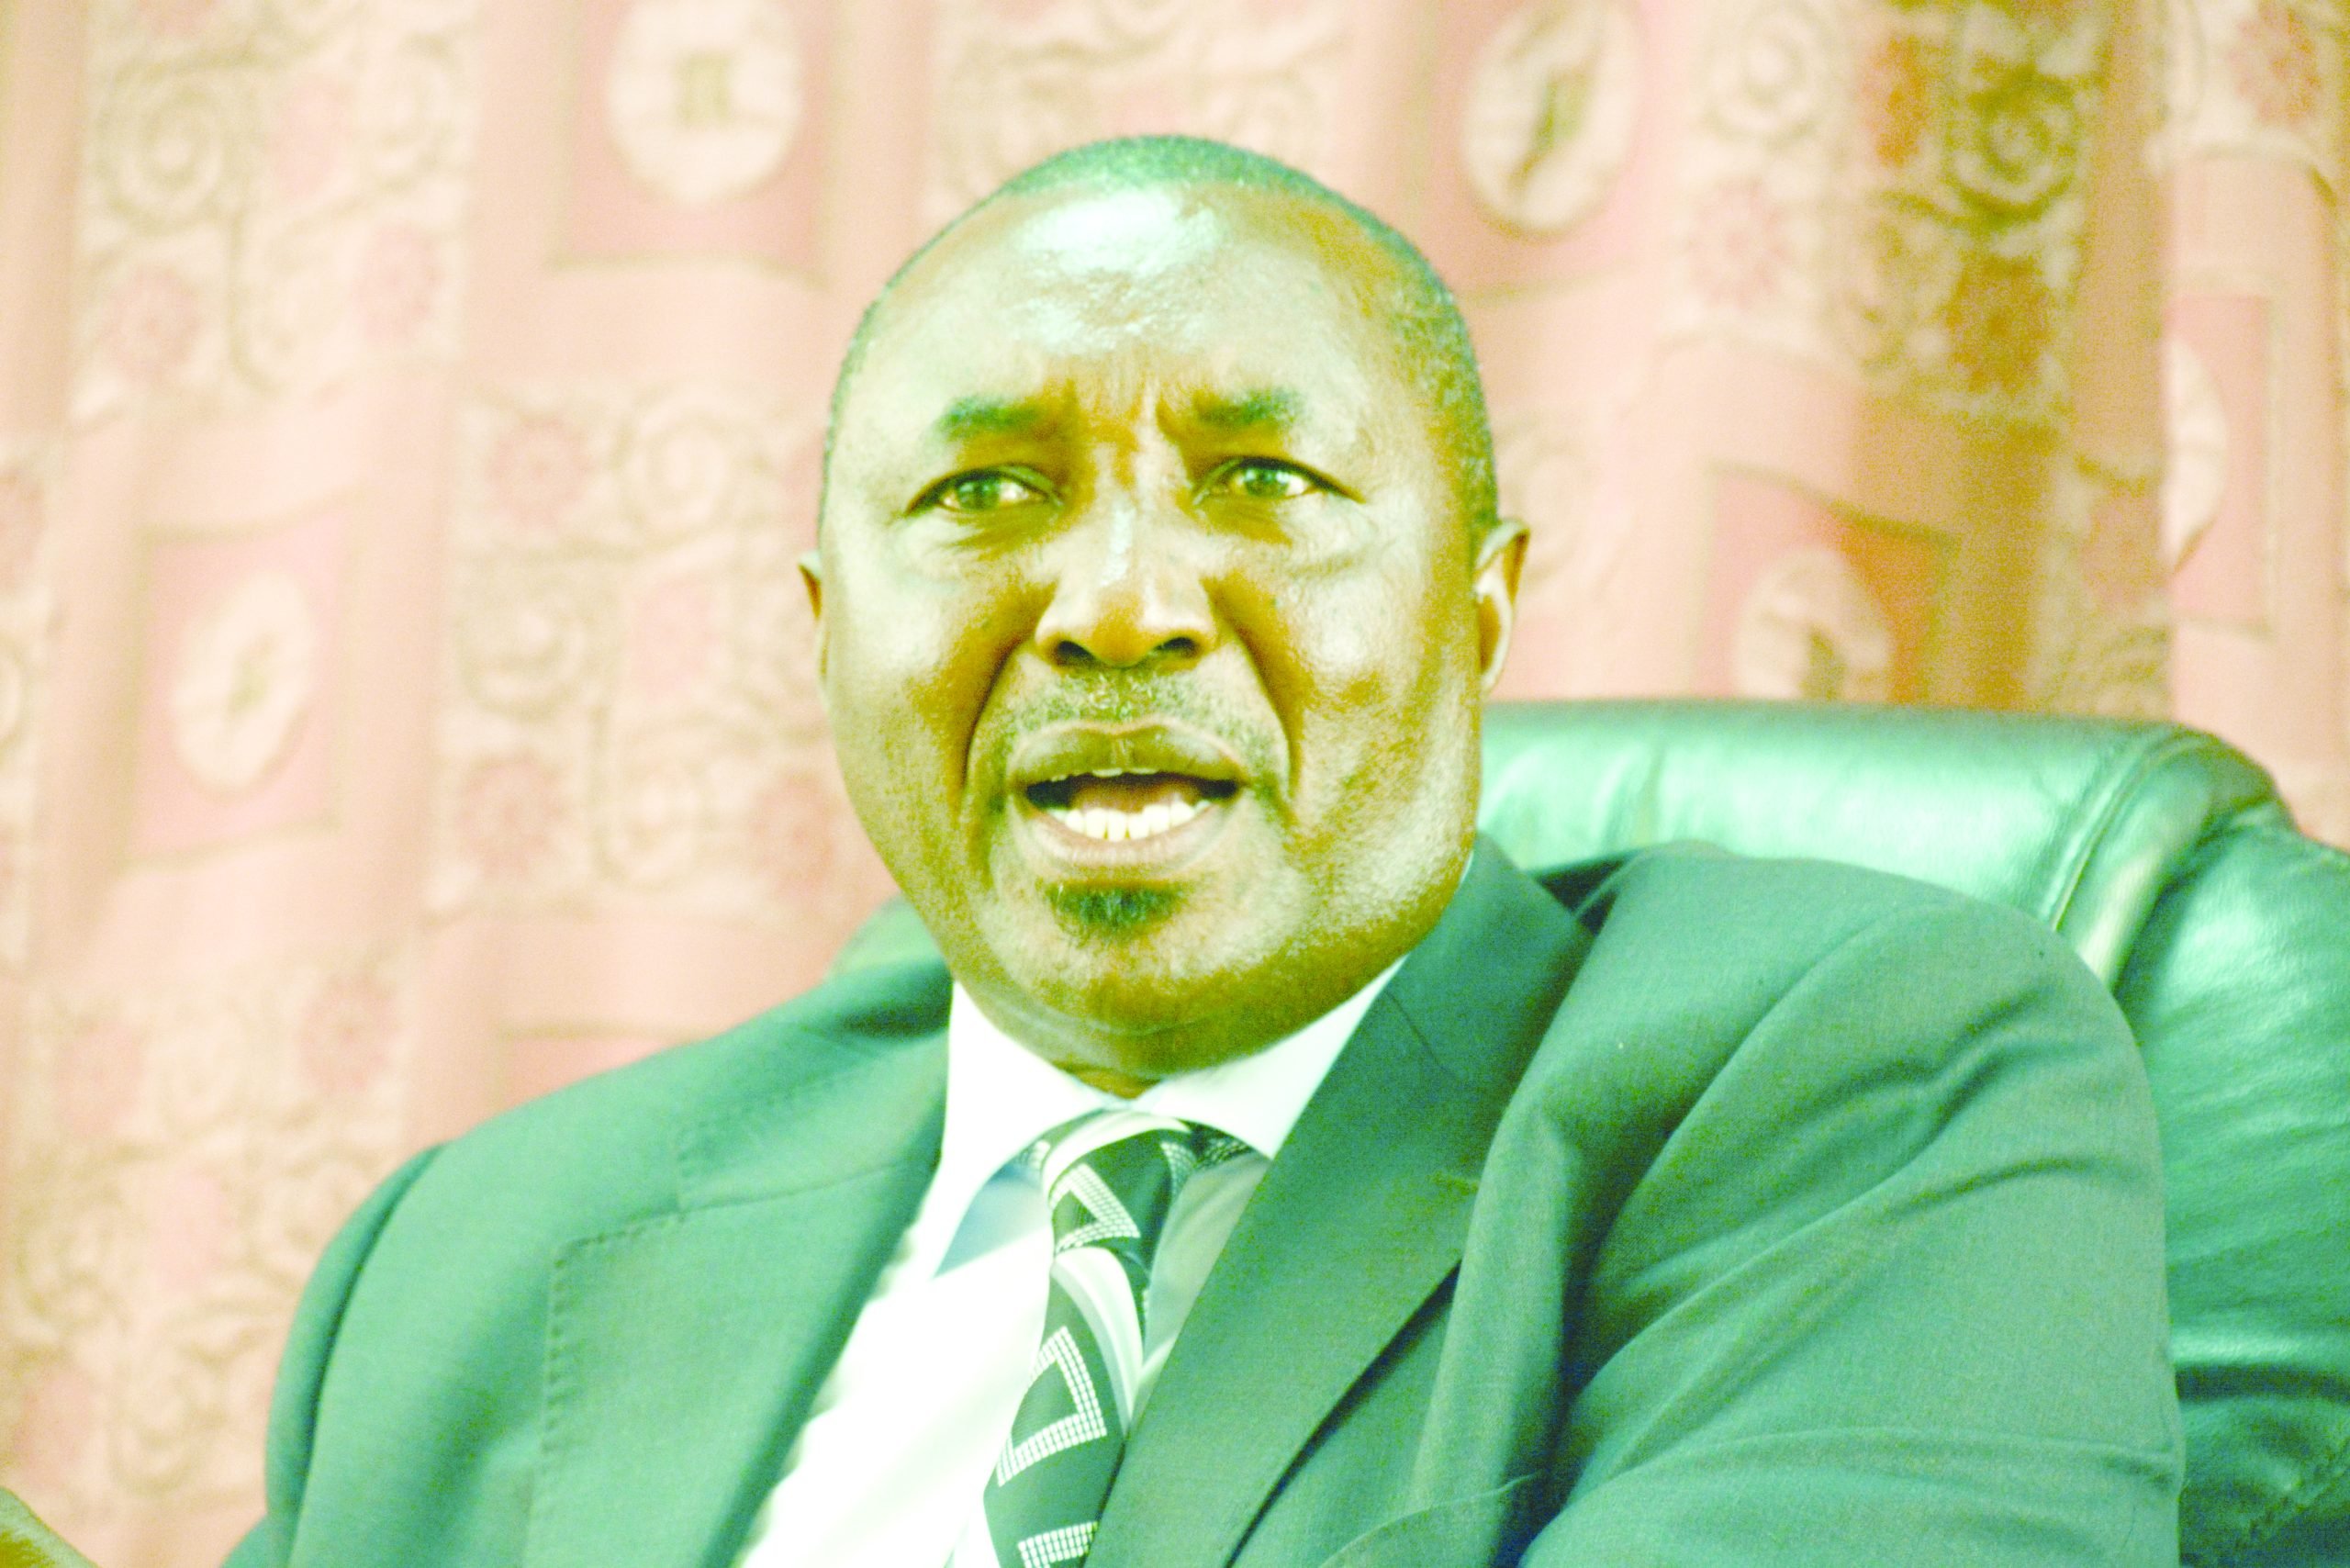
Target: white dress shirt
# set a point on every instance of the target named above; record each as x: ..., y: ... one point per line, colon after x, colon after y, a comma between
x: 888, y: 1469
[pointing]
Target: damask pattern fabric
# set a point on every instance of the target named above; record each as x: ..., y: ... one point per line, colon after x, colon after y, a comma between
x: 410, y: 413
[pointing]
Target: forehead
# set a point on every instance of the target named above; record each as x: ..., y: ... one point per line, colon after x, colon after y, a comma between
x: 1153, y: 291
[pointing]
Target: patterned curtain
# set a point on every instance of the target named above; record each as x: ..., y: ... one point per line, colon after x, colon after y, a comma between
x: 409, y: 413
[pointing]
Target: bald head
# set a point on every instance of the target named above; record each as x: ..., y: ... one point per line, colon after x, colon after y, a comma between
x: 1428, y: 339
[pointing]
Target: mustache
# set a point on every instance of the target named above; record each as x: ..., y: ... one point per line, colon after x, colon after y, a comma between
x: 1111, y: 697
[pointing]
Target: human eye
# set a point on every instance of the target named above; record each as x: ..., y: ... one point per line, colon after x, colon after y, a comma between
x: 982, y: 491
x: 1262, y: 479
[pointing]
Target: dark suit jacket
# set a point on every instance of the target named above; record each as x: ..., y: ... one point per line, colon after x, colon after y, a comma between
x: 1693, y: 1212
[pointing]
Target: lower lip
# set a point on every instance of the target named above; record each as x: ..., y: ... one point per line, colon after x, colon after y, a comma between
x: 1082, y: 857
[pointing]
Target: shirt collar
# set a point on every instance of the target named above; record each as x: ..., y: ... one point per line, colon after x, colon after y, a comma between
x: 1001, y: 1096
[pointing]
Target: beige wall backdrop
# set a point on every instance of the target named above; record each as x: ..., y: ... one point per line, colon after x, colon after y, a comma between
x: 409, y: 413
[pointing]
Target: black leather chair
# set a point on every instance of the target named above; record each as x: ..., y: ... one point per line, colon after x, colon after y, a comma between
x: 2166, y: 860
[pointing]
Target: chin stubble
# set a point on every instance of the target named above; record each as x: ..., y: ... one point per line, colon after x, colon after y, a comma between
x: 1111, y: 913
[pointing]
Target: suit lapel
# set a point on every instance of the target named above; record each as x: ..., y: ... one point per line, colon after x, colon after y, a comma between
x: 683, y: 1351
x: 1361, y: 1218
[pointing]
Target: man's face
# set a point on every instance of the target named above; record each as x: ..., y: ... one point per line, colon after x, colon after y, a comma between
x: 1151, y: 634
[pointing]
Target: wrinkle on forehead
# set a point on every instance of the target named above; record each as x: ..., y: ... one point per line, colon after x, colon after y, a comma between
x: 1153, y: 308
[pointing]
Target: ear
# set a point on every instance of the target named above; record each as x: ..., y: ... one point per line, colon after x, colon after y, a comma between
x: 811, y: 578
x: 1500, y: 557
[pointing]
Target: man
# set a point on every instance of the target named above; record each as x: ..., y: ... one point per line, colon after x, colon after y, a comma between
x: 1283, y: 1178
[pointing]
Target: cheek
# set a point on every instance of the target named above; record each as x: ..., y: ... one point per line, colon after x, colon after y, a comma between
x: 1368, y: 670
x: 910, y: 667
x: 1388, y: 635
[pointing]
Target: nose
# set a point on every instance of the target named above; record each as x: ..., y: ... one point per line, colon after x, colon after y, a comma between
x: 1127, y: 591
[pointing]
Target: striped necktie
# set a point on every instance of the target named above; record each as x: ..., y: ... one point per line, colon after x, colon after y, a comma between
x: 1110, y: 1179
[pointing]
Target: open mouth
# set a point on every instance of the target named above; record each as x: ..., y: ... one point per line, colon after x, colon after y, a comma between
x: 1118, y: 806
x: 1123, y: 783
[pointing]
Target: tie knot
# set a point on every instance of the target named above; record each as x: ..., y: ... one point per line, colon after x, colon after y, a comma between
x: 1111, y: 1177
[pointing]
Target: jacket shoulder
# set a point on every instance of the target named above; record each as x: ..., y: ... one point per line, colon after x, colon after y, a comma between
x: 614, y: 1136
x: 452, y: 1263
x: 1838, y: 1138
x: 1750, y: 925
x: 1806, y: 902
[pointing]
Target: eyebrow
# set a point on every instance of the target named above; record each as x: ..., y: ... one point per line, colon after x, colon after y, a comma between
x: 968, y: 418
x: 1267, y: 407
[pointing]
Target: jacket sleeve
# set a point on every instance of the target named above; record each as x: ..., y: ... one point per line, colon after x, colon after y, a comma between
x: 309, y: 1345
x: 1890, y: 1289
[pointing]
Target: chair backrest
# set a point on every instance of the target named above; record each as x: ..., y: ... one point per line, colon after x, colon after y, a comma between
x: 2165, y: 859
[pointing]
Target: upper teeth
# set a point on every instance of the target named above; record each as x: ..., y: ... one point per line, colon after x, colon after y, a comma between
x: 1114, y: 826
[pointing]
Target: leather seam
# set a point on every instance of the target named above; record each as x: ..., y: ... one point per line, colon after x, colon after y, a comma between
x: 2118, y: 787
x: 2296, y: 1502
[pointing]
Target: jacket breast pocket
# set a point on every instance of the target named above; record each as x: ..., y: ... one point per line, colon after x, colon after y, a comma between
x: 1481, y: 1530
